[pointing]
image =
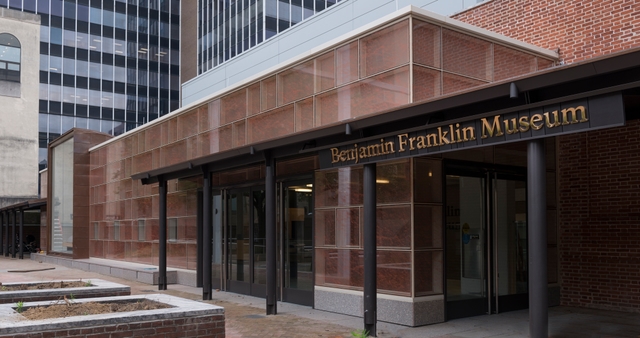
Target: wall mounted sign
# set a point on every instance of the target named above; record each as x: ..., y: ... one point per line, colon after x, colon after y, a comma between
x: 553, y: 120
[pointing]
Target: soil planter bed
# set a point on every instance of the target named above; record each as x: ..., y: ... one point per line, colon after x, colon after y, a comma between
x: 183, y: 318
x: 86, y: 289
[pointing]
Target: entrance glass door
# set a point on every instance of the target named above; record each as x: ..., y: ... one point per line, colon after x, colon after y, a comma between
x: 486, y: 244
x: 246, y: 258
x: 297, y: 242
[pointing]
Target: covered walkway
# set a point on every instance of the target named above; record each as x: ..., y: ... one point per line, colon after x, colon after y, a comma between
x: 245, y: 314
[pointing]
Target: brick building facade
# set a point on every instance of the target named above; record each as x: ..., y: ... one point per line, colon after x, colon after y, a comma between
x: 599, y: 189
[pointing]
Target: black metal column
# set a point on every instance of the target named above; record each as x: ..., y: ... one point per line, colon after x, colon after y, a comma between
x: 13, y: 235
x: 199, y: 242
x: 162, y: 245
x: 3, y: 217
x: 21, y: 227
x: 537, y: 214
x: 7, y: 242
x: 370, y: 278
x: 270, y: 214
x: 207, y: 235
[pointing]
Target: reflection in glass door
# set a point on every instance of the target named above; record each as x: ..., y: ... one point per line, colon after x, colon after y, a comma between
x: 297, y: 242
x: 486, y: 243
x: 246, y: 261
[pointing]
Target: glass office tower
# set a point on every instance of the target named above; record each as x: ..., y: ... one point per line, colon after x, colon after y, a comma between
x: 227, y: 28
x: 105, y: 65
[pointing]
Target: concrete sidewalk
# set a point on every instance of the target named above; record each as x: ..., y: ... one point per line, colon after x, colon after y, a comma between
x: 245, y: 316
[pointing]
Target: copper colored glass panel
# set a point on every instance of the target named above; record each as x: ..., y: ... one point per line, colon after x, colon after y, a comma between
x: 428, y: 272
x: 254, y: 99
x: 384, y: 49
x: 239, y: 133
x: 427, y: 226
x: 304, y: 114
x: 225, y: 137
x: 466, y: 55
x: 427, y: 181
x: 214, y: 114
x: 233, y: 107
x: 297, y: 165
x: 339, y: 268
x: 203, y: 118
x: 177, y: 255
x: 209, y: 142
x: 426, y: 44
x: 241, y: 175
x: 269, y: 93
x: 173, y: 153
x: 454, y: 83
x: 327, y: 109
x: 379, y: 93
x: 508, y: 63
x: 338, y: 187
x: 393, y: 182
x: 347, y: 63
x: 115, y: 250
x: 141, y: 144
x: 187, y: 124
x: 393, y: 227
x: 348, y: 227
x: 192, y: 256
x: 394, y: 272
x: 325, y: 227
x: 426, y: 83
x: 296, y: 83
x: 172, y: 129
x: 141, y: 252
x: 544, y: 63
x: 325, y: 72
x: 142, y: 162
x: 270, y: 125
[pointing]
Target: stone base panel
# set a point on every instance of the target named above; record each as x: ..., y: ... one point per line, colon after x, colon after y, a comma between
x: 392, y: 309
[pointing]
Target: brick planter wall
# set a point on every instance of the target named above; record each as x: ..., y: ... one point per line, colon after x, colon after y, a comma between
x: 99, y: 288
x: 203, y: 326
x: 184, y: 318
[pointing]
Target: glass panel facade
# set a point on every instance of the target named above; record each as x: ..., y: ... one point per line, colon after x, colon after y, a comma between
x: 62, y: 197
x: 94, y: 36
x: 229, y: 28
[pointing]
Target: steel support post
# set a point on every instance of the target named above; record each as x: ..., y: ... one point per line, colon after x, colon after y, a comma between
x: 537, y: 214
x: 199, y: 241
x: 21, y: 228
x: 162, y: 245
x: 206, y: 234
x: 370, y: 282
x: 13, y: 235
x: 7, y: 242
x: 270, y: 214
x: 3, y: 217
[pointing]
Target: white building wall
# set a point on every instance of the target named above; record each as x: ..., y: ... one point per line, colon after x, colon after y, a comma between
x: 19, y: 112
x: 325, y: 26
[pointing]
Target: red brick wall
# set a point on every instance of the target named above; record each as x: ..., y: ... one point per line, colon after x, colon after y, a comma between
x: 580, y: 29
x: 599, y: 177
x: 599, y: 208
x: 205, y: 326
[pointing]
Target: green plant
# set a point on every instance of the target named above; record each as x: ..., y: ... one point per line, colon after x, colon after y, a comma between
x: 4, y: 288
x: 360, y: 333
x: 19, y: 307
x: 72, y: 297
x: 88, y: 283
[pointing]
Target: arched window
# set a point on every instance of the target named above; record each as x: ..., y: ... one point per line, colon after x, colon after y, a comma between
x: 9, y: 58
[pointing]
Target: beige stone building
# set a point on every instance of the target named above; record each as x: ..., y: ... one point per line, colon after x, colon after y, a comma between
x: 19, y: 65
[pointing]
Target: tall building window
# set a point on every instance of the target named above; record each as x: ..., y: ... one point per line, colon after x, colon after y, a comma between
x: 9, y: 58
